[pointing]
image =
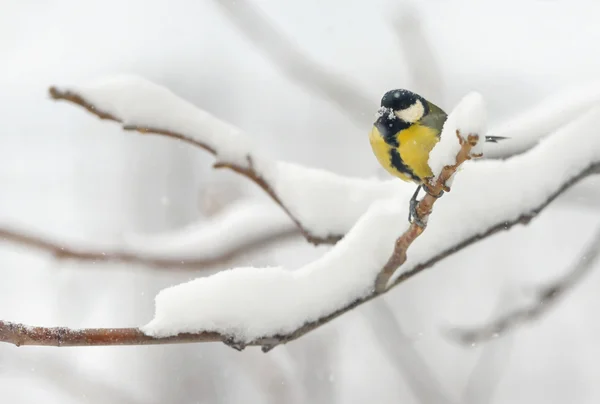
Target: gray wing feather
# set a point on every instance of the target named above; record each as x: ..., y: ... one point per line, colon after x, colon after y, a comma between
x: 435, y: 118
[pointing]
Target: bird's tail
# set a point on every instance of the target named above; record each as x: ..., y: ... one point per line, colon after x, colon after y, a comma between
x: 494, y: 139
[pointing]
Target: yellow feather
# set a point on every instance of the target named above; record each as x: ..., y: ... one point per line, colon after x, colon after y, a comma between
x: 415, y: 144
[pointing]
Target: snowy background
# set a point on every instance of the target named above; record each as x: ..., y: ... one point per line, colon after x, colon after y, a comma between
x: 66, y: 172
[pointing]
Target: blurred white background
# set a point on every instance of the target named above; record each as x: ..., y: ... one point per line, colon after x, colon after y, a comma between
x: 65, y: 171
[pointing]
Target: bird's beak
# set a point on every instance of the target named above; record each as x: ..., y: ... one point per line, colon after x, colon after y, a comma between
x: 382, y: 111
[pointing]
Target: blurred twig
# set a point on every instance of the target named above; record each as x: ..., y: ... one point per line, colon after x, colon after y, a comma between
x: 546, y: 296
x: 314, y: 365
x: 62, y: 251
x: 491, y: 364
x: 424, y: 69
x: 294, y: 63
x: 75, y: 382
x: 407, y: 359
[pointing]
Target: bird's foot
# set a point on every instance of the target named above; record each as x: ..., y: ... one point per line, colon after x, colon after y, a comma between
x: 413, y: 216
x: 439, y: 195
x: 233, y: 343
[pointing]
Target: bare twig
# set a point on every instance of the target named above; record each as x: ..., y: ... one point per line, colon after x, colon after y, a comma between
x: 61, y: 251
x: 546, y: 296
x: 19, y: 334
x: 249, y: 172
x: 74, y: 382
x: 417, y: 373
x: 419, y: 57
x: 491, y: 365
x: 293, y: 62
x: 424, y: 208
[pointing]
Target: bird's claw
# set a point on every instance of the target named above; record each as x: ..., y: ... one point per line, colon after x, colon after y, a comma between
x: 413, y: 216
x: 233, y: 343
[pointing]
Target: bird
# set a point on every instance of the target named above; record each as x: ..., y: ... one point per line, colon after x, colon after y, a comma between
x: 406, y: 129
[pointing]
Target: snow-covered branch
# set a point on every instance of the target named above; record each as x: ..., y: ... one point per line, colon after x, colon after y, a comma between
x: 242, y: 227
x: 270, y: 306
x: 546, y: 296
x: 307, y: 195
x: 528, y: 128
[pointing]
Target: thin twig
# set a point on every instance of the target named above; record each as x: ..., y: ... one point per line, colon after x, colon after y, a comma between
x: 546, y: 296
x: 294, y: 63
x: 426, y: 76
x: 61, y: 251
x: 486, y: 374
x: 75, y: 382
x: 424, y: 208
x: 417, y: 373
x: 249, y: 172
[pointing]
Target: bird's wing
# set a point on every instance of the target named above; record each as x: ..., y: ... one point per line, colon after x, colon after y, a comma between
x: 435, y: 119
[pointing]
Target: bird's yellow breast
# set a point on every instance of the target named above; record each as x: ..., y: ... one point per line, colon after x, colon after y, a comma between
x: 415, y: 143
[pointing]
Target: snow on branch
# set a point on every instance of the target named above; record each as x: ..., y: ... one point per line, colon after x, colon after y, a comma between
x: 247, y: 305
x: 526, y: 129
x: 271, y: 306
x: 546, y: 296
x: 307, y: 195
x: 242, y: 227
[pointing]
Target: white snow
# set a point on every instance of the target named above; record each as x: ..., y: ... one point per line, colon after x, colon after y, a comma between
x: 328, y: 203
x: 489, y: 192
x: 137, y: 101
x: 252, y: 302
x: 471, y: 115
x: 325, y: 203
x: 469, y: 118
x: 527, y: 128
x: 238, y: 225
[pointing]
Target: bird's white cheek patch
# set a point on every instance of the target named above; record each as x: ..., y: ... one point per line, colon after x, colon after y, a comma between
x: 412, y: 113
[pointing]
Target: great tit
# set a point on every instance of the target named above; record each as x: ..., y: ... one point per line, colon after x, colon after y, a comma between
x: 407, y: 127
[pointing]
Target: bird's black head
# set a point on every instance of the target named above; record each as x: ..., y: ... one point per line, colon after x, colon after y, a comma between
x: 398, y: 99
x: 404, y: 105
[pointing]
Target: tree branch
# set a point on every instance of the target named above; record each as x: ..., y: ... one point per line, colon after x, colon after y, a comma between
x: 64, y: 251
x: 419, y: 377
x: 491, y: 364
x: 20, y: 334
x: 546, y: 297
x: 293, y: 62
x: 248, y: 171
x: 425, y: 73
x: 565, y: 174
x: 424, y: 208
